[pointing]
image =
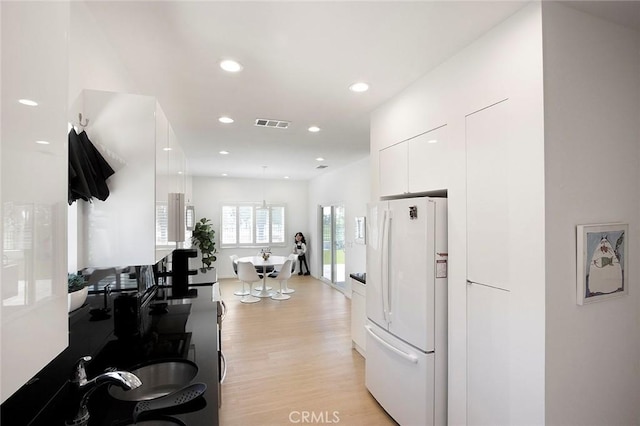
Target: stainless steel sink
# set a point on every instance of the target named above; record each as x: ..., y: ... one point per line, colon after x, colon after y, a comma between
x: 158, y: 379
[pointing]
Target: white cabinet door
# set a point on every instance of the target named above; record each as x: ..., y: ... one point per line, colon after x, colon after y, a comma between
x: 487, y: 356
x: 488, y: 139
x: 428, y: 159
x: 121, y: 230
x: 393, y: 170
x: 358, y: 316
x: 33, y: 190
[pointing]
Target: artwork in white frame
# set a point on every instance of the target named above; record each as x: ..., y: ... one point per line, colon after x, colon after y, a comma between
x: 360, y: 234
x: 601, y: 262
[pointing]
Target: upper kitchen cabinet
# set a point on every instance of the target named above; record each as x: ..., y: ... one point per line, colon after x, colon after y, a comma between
x: 428, y: 161
x: 135, y: 137
x: 504, y: 186
x: 416, y: 165
x: 489, y: 141
x: 393, y: 170
x: 33, y: 196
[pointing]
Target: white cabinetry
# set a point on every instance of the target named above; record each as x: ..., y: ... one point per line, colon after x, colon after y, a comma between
x: 419, y: 164
x: 428, y: 161
x: 134, y: 135
x: 33, y: 196
x: 488, y: 360
x: 358, y: 316
x: 393, y: 170
x: 488, y: 140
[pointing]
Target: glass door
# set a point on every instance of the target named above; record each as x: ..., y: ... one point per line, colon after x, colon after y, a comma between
x: 333, y: 241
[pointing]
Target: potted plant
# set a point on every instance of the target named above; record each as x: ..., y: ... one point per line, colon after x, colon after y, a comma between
x: 203, y: 238
x: 77, y: 291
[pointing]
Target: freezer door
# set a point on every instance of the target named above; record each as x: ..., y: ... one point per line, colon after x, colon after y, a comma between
x: 400, y: 378
x: 412, y: 273
x: 377, y: 264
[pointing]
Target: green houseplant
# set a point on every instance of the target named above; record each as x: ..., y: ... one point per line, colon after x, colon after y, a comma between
x: 203, y: 238
x: 77, y: 291
x: 75, y: 282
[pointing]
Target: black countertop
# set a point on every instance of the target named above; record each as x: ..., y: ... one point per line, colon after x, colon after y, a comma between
x: 361, y: 277
x: 187, y: 329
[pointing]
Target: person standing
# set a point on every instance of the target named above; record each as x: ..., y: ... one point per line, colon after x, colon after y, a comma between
x: 300, y: 249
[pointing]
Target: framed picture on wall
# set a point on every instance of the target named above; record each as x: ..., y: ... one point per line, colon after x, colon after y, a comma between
x: 601, y: 262
x: 360, y: 235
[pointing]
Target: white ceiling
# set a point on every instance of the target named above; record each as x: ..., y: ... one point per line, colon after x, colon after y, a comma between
x: 299, y: 59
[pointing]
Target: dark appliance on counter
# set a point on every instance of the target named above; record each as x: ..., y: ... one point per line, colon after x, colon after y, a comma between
x: 180, y: 271
x: 131, y: 310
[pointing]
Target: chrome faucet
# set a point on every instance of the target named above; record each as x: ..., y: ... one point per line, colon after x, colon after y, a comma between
x: 124, y: 379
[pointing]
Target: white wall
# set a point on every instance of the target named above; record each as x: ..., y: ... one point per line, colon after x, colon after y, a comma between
x: 350, y: 186
x: 93, y: 63
x: 209, y: 194
x: 504, y: 63
x: 592, y: 160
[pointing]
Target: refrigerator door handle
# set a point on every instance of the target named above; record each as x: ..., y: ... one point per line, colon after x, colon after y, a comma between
x: 224, y: 311
x: 384, y: 265
x: 224, y: 369
x: 409, y: 357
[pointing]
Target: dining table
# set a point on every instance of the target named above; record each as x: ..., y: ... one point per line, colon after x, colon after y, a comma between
x: 262, y: 265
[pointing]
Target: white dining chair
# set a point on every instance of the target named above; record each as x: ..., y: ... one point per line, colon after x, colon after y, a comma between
x: 293, y: 258
x: 283, y: 276
x: 247, y: 274
x: 234, y: 264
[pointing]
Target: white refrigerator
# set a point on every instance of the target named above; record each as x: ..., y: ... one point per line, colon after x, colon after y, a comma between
x: 406, y: 360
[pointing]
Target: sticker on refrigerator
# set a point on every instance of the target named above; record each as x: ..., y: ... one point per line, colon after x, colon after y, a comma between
x: 441, y: 265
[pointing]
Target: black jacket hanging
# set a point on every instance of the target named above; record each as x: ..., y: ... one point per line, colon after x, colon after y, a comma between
x: 78, y: 186
x: 88, y: 170
x: 100, y: 169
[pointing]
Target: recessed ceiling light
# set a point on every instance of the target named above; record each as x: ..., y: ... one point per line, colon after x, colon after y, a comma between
x: 43, y: 142
x: 230, y: 65
x: 179, y: 173
x: 224, y: 174
x: 225, y: 120
x: 319, y: 159
x: 286, y: 177
x: 359, y: 87
x: 314, y: 129
x: 166, y: 149
x: 28, y: 102
x: 224, y: 152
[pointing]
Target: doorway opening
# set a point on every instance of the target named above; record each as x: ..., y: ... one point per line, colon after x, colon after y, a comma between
x: 333, y: 242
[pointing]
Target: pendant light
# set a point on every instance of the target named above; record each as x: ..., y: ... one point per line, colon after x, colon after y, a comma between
x: 264, y: 201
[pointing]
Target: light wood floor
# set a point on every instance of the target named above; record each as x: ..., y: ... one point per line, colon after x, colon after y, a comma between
x: 291, y: 362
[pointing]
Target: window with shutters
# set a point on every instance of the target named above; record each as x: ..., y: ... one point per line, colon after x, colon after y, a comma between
x: 252, y: 225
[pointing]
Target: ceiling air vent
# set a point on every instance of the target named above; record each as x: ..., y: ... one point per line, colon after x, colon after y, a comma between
x: 322, y: 166
x: 276, y: 124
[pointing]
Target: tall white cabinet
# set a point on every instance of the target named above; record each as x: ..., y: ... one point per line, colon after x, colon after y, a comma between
x: 488, y: 142
x: 33, y: 208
